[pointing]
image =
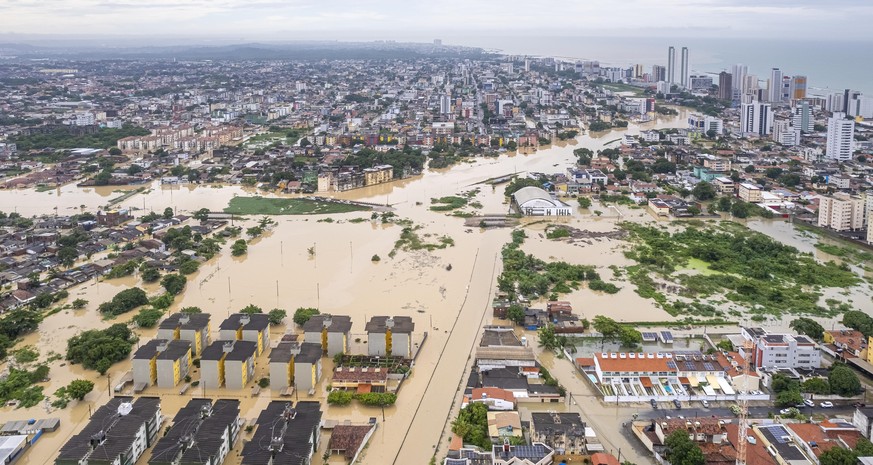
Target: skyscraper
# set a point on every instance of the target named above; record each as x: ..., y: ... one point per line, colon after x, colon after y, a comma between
x: 756, y: 118
x: 685, y: 69
x: 739, y: 72
x: 445, y: 104
x: 725, y: 86
x: 659, y: 73
x: 774, y: 88
x: 798, y: 87
x: 801, y: 117
x: 841, y: 131
x: 671, y: 65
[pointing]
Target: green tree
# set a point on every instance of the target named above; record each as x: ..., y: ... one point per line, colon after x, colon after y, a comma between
x: 339, y: 398
x: 174, y: 283
x: 515, y: 313
x: 79, y: 304
x: 585, y: 202
x: 98, y: 349
x: 239, y: 248
x: 788, y: 398
x: 202, y: 214
x: 124, y: 301
x: 67, y: 256
x: 191, y: 310
x: 79, y: 388
x: 808, y: 327
x: 189, y: 266
x: 844, y: 381
x: 149, y: 274
x: 472, y: 425
x: 277, y: 316
x: 681, y: 450
x: 819, y: 386
x: 251, y: 309
x: 303, y: 314
x: 838, y: 456
x: 168, y: 213
x: 703, y: 191
x: 550, y: 340
x: 148, y: 317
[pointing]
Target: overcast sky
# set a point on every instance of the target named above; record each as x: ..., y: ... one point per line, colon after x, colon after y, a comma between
x: 276, y: 20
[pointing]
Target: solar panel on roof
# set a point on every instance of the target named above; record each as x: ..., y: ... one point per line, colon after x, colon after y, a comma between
x: 708, y: 366
x: 671, y: 365
x: 689, y: 366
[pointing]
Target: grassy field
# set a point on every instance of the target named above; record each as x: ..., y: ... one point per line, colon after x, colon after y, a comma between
x: 621, y: 87
x: 265, y: 206
x: 701, y: 266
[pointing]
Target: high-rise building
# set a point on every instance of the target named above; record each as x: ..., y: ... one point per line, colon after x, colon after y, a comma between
x: 848, y: 96
x: 739, y: 72
x: 638, y: 71
x: 445, y: 104
x: 662, y: 87
x: 774, y: 88
x: 671, y: 65
x: 685, y: 69
x: 527, y: 64
x: 798, y: 88
x: 860, y: 106
x: 756, y: 118
x: 841, y: 132
x: 842, y: 212
x: 659, y: 73
x: 801, y: 117
x: 725, y: 86
x: 785, y: 133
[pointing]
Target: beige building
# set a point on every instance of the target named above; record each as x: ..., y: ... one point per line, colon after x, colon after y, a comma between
x: 749, y: 193
x: 723, y: 185
x: 842, y: 212
x: 378, y: 174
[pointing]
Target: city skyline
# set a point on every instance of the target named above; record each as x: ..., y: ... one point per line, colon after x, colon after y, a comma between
x: 391, y: 19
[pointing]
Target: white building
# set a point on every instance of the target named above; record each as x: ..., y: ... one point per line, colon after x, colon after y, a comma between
x: 705, y: 123
x: 662, y: 87
x: 445, y: 104
x: 785, y: 133
x: 860, y: 106
x: 841, y: 132
x: 842, y: 212
x: 774, y: 88
x: 685, y: 70
x: 738, y: 78
x: 756, y: 118
x: 801, y: 117
x: 533, y: 201
x: 671, y: 65
x: 774, y: 351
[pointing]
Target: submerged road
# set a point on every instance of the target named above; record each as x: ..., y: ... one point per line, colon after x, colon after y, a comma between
x: 419, y: 443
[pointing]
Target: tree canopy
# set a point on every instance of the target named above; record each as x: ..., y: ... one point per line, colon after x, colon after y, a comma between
x: 681, y: 450
x: 98, y: 349
x: 303, y: 314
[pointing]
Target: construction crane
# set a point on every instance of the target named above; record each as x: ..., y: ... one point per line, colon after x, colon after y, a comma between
x: 742, y: 435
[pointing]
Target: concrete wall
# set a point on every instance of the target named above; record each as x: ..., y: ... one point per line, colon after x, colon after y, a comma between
x: 336, y: 342
x: 209, y: 374
x: 227, y: 335
x: 233, y: 369
x: 190, y: 335
x: 401, y: 344
x: 279, y: 376
x: 303, y: 374
x: 142, y: 371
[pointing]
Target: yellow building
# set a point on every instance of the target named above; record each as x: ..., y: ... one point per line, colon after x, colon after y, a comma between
x: 378, y: 174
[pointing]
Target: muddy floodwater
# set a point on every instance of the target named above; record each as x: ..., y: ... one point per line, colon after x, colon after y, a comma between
x: 340, y: 278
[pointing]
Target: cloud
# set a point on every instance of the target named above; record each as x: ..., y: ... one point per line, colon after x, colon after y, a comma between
x: 266, y: 19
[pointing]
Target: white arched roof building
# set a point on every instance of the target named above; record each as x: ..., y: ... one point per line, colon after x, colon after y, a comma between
x: 533, y: 201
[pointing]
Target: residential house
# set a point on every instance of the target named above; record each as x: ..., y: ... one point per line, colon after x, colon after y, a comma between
x: 564, y: 432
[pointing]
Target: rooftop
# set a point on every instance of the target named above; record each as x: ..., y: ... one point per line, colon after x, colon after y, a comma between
x: 348, y: 438
x: 240, y: 350
x: 180, y: 320
x: 254, y: 321
x: 338, y: 324
x: 117, y: 431
x: 309, y: 352
x: 296, y: 428
x: 402, y: 324
x: 499, y: 336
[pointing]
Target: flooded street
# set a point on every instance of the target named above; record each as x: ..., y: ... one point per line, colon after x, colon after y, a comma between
x: 340, y: 278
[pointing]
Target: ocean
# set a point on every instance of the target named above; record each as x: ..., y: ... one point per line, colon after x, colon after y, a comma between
x: 830, y: 65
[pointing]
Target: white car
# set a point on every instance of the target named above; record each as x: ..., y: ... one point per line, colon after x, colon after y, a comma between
x: 705, y: 403
x: 826, y: 404
x: 785, y: 411
x: 809, y: 403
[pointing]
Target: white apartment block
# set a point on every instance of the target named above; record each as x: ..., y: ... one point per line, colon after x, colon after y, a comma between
x: 756, y: 118
x: 841, y: 132
x: 842, y: 212
x: 782, y: 350
x: 749, y: 193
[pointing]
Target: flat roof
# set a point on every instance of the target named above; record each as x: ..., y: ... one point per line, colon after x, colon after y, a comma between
x: 499, y: 336
x: 309, y: 352
x: 10, y: 445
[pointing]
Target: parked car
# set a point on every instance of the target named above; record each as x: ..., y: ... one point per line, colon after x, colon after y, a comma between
x: 705, y: 403
x: 809, y: 403
x: 677, y: 403
x: 654, y: 404
x: 785, y: 411
x: 827, y: 404
x: 858, y: 405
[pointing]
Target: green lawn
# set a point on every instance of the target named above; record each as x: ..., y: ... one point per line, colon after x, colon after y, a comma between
x: 621, y: 87
x: 265, y: 206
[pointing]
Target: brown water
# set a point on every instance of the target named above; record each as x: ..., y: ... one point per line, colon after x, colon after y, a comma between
x: 278, y: 272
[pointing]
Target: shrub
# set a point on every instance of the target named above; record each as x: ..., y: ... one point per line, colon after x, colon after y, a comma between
x: 339, y: 398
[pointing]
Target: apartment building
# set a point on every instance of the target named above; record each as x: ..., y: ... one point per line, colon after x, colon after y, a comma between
x: 782, y: 350
x: 842, y: 212
x: 750, y: 193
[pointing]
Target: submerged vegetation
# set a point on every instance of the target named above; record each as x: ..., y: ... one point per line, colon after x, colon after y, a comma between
x: 530, y: 276
x: 745, y: 267
x: 283, y: 206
